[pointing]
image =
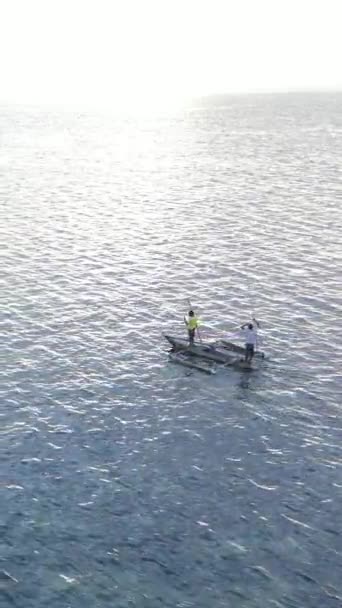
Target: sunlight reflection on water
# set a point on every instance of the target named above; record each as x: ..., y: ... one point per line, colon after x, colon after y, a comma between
x: 128, y: 481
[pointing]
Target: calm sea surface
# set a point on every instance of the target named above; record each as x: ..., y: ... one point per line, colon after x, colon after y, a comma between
x: 127, y: 481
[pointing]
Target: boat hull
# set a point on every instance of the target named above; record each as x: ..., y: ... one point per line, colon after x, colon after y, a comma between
x: 236, y: 348
x: 211, y: 352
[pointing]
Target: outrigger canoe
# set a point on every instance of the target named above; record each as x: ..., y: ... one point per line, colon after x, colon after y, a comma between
x: 211, y: 352
x: 222, y: 351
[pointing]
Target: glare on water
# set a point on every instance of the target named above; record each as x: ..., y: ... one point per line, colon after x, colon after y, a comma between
x: 129, y: 481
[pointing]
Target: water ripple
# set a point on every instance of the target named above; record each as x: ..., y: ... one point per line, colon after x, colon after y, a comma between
x: 127, y: 481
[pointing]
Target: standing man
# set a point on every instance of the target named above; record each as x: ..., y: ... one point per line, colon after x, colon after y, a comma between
x: 250, y: 334
x: 192, y: 324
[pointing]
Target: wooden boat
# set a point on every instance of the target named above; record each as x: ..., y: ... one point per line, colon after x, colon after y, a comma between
x: 189, y: 361
x: 211, y: 352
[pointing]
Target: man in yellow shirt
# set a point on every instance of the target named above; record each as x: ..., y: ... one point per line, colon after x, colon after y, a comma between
x: 192, y: 324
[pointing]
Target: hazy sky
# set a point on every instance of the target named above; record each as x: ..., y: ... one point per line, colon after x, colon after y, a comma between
x: 109, y: 51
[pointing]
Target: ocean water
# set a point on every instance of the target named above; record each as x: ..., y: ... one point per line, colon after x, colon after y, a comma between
x: 127, y: 481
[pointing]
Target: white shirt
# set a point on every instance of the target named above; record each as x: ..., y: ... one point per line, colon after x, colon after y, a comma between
x: 250, y: 336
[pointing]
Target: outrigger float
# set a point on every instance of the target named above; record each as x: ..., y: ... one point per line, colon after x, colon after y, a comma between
x: 222, y: 352
x: 203, y: 366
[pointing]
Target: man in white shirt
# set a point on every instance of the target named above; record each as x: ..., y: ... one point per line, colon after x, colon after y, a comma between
x: 250, y: 334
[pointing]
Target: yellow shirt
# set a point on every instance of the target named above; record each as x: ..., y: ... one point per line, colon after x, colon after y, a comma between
x: 192, y: 323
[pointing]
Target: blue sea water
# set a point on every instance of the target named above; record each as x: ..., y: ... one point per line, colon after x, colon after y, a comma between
x: 127, y: 481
